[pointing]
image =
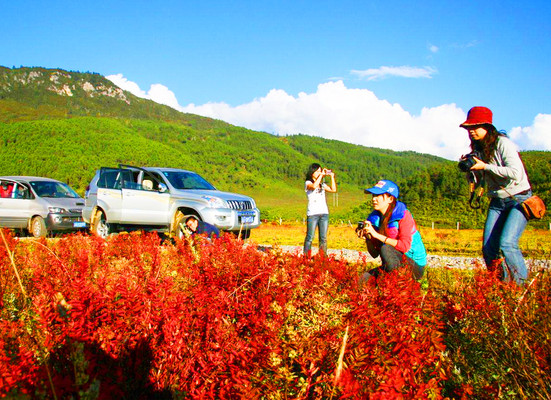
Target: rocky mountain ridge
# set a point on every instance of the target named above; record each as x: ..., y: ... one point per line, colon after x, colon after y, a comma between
x: 62, y: 83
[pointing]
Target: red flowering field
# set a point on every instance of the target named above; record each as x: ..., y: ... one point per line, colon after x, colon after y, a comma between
x: 133, y: 317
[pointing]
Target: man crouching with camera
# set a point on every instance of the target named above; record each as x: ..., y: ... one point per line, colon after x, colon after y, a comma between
x: 390, y: 232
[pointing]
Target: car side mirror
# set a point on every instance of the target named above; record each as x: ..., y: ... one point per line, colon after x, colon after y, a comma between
x: 162, y: 187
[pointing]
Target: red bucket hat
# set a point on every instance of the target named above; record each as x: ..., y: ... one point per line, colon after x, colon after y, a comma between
x: 478, y: 116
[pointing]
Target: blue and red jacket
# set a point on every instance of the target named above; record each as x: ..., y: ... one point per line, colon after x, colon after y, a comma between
x: 402, y: 227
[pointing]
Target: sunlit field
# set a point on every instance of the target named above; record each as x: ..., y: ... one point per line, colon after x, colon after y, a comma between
x: 464, y: 242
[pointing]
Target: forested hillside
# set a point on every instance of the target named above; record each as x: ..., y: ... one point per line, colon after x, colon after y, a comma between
x: 65, y: 125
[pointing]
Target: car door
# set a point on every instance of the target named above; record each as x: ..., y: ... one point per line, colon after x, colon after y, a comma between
x: 16, y: 205
x: 109, y: 193
x: 143, y: 204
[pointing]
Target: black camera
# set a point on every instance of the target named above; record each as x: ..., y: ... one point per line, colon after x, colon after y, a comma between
x: 467, y: 161
x: 361, y: 225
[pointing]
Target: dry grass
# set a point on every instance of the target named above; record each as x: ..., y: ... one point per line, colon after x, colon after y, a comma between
x: 466, y: 242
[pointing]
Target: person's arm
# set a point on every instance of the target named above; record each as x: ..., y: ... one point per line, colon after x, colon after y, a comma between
x: 379, y: 236
x: 402, y: 243
x: 316, y: 184
x: 513, y: 167
x: 333, y: 187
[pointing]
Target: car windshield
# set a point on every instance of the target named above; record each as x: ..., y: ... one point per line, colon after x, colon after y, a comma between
x: 187, y: 180
x: 53, y: 189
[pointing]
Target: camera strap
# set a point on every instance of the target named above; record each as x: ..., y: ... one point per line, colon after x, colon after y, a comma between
x: 476, y: 195
x: 476, y: 187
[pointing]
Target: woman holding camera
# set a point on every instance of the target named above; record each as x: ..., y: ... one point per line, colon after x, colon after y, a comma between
x: 497, y: 163
x: 390, y: 232
x: 317, y: 213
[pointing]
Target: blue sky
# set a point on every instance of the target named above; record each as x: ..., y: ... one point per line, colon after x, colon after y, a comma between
x: 392, y: 74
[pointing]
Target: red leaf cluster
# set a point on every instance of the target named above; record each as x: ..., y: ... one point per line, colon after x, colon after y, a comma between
x: 134, y: 317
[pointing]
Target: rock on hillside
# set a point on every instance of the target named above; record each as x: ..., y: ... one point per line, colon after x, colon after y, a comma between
x: 60, y: 82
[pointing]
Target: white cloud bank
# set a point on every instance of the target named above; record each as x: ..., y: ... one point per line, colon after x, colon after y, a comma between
x: 350, y: 115
x: 157, y: 92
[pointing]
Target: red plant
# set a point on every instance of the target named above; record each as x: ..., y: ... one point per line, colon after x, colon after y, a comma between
x: 137, y: 318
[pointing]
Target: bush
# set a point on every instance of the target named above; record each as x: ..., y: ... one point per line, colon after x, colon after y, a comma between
x: 134, y: 317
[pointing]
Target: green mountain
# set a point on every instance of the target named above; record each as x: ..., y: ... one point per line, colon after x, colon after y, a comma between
x: 66, y: 125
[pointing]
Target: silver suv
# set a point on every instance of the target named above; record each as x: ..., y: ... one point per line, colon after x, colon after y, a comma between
x: 161, y: 199
x: 39, y: 205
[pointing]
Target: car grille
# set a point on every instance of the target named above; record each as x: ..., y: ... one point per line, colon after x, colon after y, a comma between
x: 76, y: 211
x: 240, y: 204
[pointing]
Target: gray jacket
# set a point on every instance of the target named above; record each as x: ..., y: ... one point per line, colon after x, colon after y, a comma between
x: 505, y: 175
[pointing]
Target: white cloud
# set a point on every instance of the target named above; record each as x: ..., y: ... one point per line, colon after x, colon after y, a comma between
x: 433, y: 48
x: 350, y: 115
x: 157, y: 92
x: 535, y: 137
x: 403, y: 72
x: 125, y: 84
x: 355, y: 116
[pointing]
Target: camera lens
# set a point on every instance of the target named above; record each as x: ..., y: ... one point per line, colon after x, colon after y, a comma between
x: 466, y: 164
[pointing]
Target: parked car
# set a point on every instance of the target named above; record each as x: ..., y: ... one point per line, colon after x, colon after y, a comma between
x: 161, y: 199
x: 39, y: 205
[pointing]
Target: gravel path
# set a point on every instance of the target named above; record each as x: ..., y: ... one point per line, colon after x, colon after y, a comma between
x: 433, y: 260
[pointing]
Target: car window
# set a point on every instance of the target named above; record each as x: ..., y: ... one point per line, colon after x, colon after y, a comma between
x: 6, y: 189
x: 53, y: 189
x: 151, y: 180
x: 109, y: 179
x: 130, y: 179
x: 21, y: 191
x: 187, y: 180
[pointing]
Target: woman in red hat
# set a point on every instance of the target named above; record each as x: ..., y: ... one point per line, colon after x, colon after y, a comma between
x: 498, y: 164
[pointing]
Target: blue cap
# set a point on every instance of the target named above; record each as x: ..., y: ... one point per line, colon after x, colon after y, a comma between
x: 384, y: 186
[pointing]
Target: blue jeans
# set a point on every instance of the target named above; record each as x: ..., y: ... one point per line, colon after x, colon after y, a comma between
x: 322, y: 222
x: 505, y: 224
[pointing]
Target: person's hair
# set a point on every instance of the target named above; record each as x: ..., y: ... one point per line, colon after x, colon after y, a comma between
x: 313, y: 168
x: 190, y: 218
x: 487, y: 146
x: 386, y: 217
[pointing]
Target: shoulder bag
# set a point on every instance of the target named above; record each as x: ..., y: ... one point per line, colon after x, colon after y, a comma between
x: 533, y: 207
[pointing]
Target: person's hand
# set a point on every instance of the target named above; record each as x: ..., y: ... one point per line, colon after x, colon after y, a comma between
x: 369, y: 229
x: 479, y: 164
x: 363, y: 233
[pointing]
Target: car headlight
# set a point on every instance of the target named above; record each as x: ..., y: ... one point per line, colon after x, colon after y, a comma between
x: 214, y: 202
x: 57, y: 210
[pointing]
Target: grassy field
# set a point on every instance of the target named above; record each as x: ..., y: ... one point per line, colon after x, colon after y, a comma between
x: 289, y: 202
x: 465, y: 242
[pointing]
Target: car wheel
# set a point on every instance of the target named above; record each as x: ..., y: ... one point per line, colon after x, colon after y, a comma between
x: 38, y: 227
x: 100, y: 227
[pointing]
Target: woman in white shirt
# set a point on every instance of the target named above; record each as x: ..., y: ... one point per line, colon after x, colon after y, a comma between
x: 317, y: 212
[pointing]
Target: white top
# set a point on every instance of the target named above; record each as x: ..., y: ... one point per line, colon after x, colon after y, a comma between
x: 316, y: 199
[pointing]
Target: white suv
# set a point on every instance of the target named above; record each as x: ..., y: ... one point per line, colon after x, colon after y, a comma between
x: 160, y: 199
